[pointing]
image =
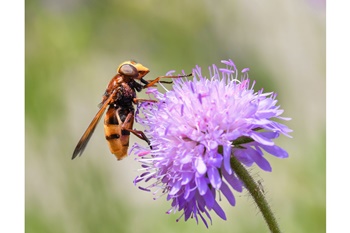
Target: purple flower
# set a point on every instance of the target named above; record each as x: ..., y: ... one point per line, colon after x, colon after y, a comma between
x: 196, y: 128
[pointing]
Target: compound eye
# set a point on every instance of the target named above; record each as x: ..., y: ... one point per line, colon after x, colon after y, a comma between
x: 128, y: 70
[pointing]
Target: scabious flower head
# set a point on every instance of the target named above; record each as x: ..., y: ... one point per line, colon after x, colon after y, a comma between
x: 196, y: 128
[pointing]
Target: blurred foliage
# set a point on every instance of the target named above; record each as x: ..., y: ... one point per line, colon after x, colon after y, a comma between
x: 72, y: 51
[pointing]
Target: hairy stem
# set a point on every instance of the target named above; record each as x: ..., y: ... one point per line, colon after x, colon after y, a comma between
x: 256, y: 193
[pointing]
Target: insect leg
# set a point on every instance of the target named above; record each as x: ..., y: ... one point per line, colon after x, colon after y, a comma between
x: 140, y: 135
x: 152, y: 82
x: 148, y: 81
x: 138, y: 100
x: 137, y: 133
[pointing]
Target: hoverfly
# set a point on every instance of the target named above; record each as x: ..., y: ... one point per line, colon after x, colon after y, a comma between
x: 120, y: 96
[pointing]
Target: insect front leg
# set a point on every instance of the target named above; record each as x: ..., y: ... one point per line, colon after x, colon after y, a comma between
x: 138, y: 100
x: 153, y: 82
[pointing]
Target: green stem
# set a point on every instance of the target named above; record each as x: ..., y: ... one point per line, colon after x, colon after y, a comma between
x: 256, y: 193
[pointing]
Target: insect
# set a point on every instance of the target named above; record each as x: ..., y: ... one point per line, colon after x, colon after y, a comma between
x: 261, y: 187
x: 119, y: 97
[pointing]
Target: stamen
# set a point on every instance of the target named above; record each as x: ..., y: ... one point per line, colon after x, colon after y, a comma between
x: 170, y: 73
x: 200, y: 98
x: 144, y: 189
x: 192, y: 88
x: 245, y: 70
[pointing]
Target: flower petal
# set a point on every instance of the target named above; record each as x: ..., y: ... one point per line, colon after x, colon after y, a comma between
x: 276, y: 151
x: 209, y: 199
x: 214, y: 177
x: 227, y: 156
x: 215, y: 159
x: 201, y: 185
x: 219, y: 211
x: 175, y: 188
x: 189, y: 193
x: 228, y: 193
x: 186, y: 177
x: 235, y: 183
x: 200, y: 166
x: 259, y: 159
x: 261, y: 139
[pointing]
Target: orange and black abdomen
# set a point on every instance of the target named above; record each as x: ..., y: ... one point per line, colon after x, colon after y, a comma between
x: 118, y: 139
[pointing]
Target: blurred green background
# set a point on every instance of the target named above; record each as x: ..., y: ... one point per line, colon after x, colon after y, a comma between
x: 73, y: 48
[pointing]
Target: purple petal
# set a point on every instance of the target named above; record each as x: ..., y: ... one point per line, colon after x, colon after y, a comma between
x: 214, y: 177
x: 228, y: 193
x: 201, y: 185
x: 233, y: 135
x: 188, y: 194
x: 200, y: 201
x: 227, y: 157
x: 176, y: 187
x: 243, y: 156
x: 276, y: 151
x: 235, y: 183
x: 208, y: 215
x: 212, y: 144
x: 204, y: 221
x: 270, y: 135
x: 261, y: 139
x: 284, y: 129
x: 200, y: 166
x: 186, y: 177
x: 209, y: 199
x: 260, y: 160
x: 214, y: 159
x: 188, y: 212
x: 265, y: 114
x: 219, y: 211
x: 250, y: 110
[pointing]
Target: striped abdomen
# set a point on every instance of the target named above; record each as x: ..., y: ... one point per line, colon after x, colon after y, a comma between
x: 118, y: 139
